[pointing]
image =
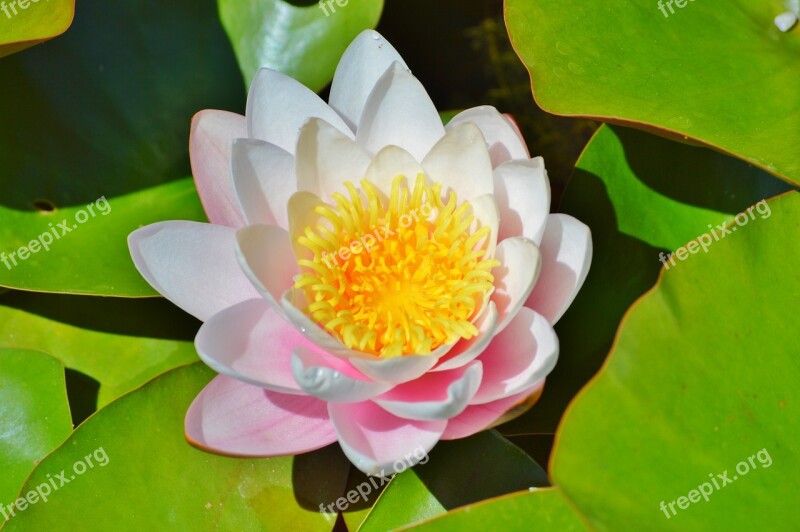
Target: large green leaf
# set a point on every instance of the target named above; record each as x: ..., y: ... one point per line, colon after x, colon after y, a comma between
x: 458, y: 473
x: 702, y: 381
x: 118, y: 342
x: 718, y: 71
x: 640, y: 195
x: 302, y: 38
x: 544, y: 510
x: 104, y: 111
x: 28, y: 22
x: 153, y: 480
x: 34, y: 416
x: 90, y: 257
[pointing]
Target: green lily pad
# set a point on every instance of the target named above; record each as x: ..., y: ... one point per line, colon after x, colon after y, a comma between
x: 457, y: 473
x: 24, y: 23
x: 716, y: 71
x: 543, y: 510
x: 106, y: 114
x: 147, y: 477
x: 304, y: 39
x: 34, y: 417
x: 703, y: 377
x: 641, y: 195
x: 120, y: 343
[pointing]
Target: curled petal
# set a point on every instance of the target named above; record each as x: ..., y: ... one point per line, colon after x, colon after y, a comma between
x: 520, y: 263
x: 439, y: 395
x: 465, y: 351
x: 332, y: 379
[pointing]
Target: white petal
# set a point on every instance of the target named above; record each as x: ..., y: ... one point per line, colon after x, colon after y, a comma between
x: 302, y: 216
x: 566, y: 257
x: 460, y: 161
x: 519, y: 357
x: 266, y: 257
x: 502, y: 135
x: 192, y: 264
x: 278, y: 106
x: 389, y: 163
x: 399, y: 112
x: 786, y: 21
x: 522, y: 193
x: 465, y: 351
x: 514, y: 279
x: 250, y: 342
x: 326, y: 159
x: 332, y: 379
x: 486, y: 214
x: 264, y: 179
x: 439, y: 395
x: 360, y: 68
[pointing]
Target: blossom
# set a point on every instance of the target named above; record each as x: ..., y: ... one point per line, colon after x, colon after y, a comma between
x: 369, y: 276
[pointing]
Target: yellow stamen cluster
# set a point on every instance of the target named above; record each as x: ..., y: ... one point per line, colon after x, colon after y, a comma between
x: 397, y: 279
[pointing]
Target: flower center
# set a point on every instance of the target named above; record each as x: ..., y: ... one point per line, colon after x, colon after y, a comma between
x: 401, y: 278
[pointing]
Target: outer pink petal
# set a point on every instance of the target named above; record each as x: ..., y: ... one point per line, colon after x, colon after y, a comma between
x: 520, y: 356
x: 479, y: 417
x: 566, y: 256
x: 251, y: 342
x: 237, y: 419
x: 210, y: 142
x: 375, y: 440
x: 192, y: 264
x: 439, y: 395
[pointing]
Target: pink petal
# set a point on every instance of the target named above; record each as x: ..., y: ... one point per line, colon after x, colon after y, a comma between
x: 266, y: 257
x: 439, y: 395
x: 237, y: 419
x: 192, y: 264
x: 251, y: 342
x: 566, y: 256
x: 210, y: 141
x: 377, y: 442
x: 515, y: 277
x: 502, y: 134
x: 332, y: 379
x: 400, y: 369
x: 522, y: 192
x: 480, y: 417
x: 520, y: 356
x: 264, y: 178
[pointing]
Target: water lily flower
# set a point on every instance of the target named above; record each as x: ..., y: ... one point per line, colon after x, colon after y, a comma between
x: 369, y: 276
